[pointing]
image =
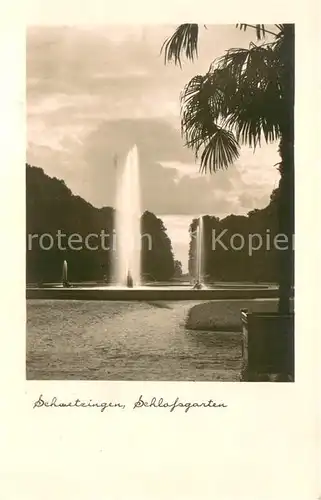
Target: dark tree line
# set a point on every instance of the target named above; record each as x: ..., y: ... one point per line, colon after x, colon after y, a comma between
x: 51, y: 207
x: 157, y: 253
x: 221, y: 264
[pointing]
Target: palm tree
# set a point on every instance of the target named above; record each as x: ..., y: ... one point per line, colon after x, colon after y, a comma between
x: 246, y: 96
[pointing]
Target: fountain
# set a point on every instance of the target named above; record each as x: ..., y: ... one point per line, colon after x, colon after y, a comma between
x: 127, y: 264
x: 65, y: 282
x: 127, y: 259
x: 199, y: 254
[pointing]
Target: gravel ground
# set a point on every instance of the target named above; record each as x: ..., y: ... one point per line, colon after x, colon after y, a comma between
x: 89, y: 340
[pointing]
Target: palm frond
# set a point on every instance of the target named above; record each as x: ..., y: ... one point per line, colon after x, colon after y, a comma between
x: 255, y: 109
x: 182, y: 42
x: 242, y: 99
x: 203, y: 106
x: 260, y: 29
x: 220, y: 151
x: 280, y: 27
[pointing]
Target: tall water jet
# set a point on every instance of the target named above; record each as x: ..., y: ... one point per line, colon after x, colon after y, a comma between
x: 200, y: 251
x: 128, y: 223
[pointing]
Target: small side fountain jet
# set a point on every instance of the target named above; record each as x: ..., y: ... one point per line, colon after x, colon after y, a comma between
x: 198, y: 285
x: 65, y: 282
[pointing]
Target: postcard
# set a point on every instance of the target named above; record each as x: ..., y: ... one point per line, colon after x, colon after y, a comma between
x: 159, y: 293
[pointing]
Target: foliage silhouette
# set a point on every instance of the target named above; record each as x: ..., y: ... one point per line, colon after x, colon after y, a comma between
x: 222, y: 264
x: 178, y: 271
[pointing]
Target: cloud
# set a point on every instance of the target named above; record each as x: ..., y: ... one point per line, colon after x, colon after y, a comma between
x: 94, y: 92
x: 119, y: 69
x: 169, y: 177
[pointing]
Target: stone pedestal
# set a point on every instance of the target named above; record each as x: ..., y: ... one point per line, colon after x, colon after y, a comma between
x: 268, y: 346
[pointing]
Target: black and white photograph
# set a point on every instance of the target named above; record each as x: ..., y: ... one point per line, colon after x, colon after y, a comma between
x: 160, y: 202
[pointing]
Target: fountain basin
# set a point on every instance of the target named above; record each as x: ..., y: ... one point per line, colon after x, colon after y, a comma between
x: 149, y: 293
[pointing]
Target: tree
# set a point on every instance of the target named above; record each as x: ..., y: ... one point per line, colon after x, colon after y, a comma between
x: 224, y: 263
x: 246, y: 96
x: 157, y: 253
x: 178, y: 271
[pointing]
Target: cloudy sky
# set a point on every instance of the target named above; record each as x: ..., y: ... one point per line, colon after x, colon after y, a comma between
x: 94, y: 92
